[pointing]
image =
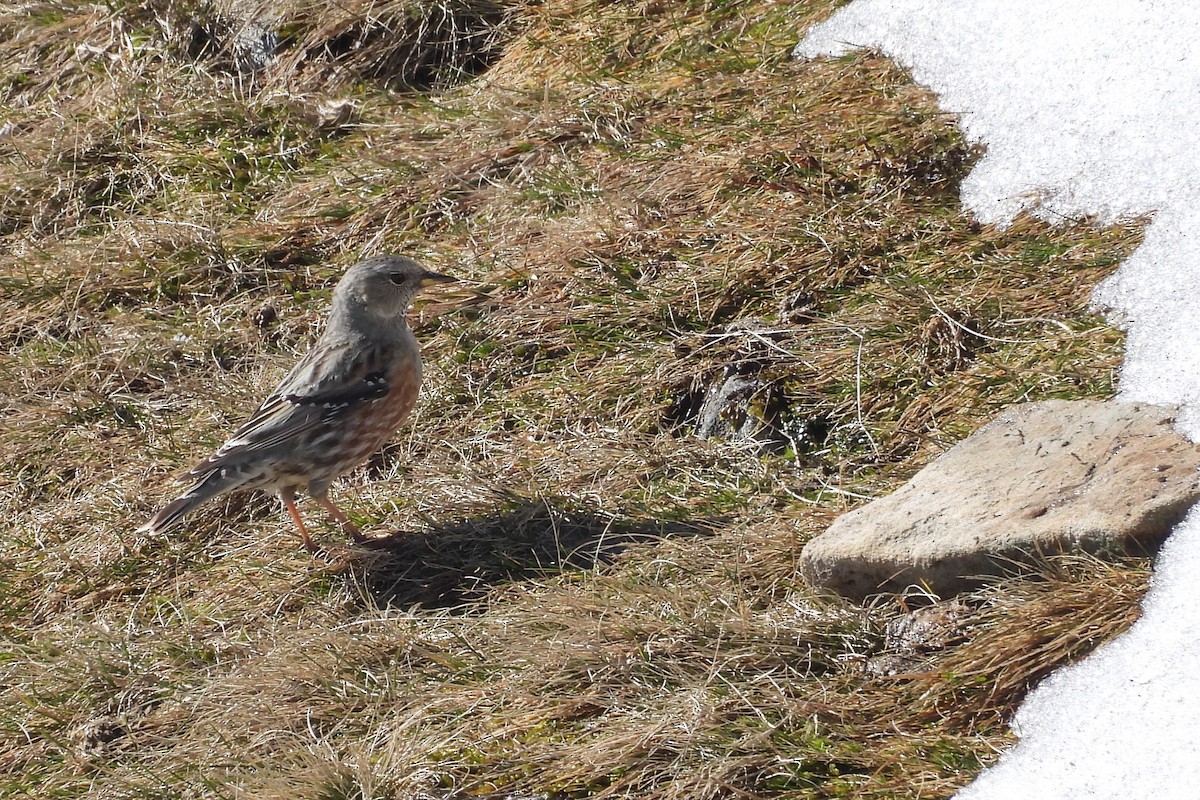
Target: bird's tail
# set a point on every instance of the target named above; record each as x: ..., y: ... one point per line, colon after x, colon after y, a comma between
x: 204, y: 489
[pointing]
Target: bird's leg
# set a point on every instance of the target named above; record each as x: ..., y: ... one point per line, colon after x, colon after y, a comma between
x: 288, y: 498
x: 341, y: 519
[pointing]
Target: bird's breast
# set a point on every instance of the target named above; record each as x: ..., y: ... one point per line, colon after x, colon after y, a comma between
x: 380, y: 417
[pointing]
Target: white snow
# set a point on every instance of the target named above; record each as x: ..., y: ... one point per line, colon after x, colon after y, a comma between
x: 1088, y: 108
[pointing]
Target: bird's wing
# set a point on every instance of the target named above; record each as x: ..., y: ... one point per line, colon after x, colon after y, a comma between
x: 332, y: 380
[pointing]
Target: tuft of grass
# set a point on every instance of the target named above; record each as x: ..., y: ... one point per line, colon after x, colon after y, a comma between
x: 715, y: 299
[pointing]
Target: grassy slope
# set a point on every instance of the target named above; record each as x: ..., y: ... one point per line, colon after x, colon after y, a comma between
x: 576, y: 596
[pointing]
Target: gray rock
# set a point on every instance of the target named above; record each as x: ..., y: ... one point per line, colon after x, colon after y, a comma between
x: 728, y: 409
x: 1041, y: 479
x: 911, y: 640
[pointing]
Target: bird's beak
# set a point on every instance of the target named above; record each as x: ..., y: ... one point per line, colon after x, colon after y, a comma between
x: 430, y: 278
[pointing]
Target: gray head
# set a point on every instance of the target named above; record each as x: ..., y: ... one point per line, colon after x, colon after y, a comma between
x: 383, y: 287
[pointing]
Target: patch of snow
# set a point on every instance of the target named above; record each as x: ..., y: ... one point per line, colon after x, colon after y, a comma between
x: 1088, y: 109
x: 1124, y: 722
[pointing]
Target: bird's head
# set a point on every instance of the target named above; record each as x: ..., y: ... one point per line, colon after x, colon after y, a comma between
x: 384, y: 286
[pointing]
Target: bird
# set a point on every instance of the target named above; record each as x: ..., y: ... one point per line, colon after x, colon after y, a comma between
x: 335, y: 408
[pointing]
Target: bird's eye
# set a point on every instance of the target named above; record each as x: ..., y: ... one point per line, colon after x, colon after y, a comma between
x: 397, y: 278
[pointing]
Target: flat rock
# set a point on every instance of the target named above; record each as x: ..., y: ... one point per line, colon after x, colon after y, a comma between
x: 1041, y: 479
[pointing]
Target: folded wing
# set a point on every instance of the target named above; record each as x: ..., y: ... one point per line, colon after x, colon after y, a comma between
x: 332, y: 381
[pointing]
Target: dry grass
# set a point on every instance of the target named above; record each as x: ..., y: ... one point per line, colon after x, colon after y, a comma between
x: 574, y: 594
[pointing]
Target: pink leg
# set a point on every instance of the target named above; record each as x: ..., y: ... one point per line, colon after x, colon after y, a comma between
x: 289, y: 503
x: 341, y: 519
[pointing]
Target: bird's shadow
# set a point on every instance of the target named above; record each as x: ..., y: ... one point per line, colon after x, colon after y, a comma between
x: 450, y: 564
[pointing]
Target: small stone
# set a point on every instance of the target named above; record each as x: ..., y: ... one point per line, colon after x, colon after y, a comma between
x: 96, y: 736
x: 333, y: 115
x: 743, y: 408
x: 911, y: 639
x: 798, y: 308
x: 265, y: 317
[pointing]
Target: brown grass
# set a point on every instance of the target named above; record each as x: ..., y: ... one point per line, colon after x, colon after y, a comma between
x: 572, y: 594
